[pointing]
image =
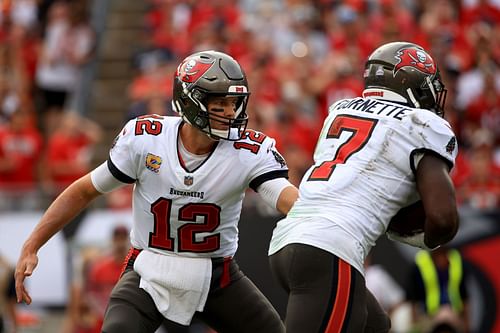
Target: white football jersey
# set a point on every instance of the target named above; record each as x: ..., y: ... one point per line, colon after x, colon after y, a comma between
x: 189, y: 213
x: 363, y: 173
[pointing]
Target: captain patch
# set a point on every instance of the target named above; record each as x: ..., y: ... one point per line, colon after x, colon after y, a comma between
x: 153, y: 162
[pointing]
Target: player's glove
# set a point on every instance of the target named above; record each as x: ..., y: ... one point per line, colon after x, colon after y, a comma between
x: 416, y: 240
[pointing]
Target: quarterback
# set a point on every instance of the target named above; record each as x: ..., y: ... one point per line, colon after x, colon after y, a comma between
x: 375, y: 155
x: 190, y: 174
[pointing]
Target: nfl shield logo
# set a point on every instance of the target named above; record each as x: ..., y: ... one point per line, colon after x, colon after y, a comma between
x: 188, y: 180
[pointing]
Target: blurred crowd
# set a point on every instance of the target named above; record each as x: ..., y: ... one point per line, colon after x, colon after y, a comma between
x: 44, y: 143
x: 299, y: 56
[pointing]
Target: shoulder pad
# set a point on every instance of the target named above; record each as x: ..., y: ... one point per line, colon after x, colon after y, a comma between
x: 435, y: 133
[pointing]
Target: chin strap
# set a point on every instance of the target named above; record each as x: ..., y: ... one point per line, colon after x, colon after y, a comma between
x: 416, y: 240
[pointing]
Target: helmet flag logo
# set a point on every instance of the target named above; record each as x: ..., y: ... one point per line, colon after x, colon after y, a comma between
x: 418, y: 59
x: 191, y: 70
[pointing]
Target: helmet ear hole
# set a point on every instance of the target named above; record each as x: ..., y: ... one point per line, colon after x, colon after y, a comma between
x: 198, y: 95
x: 201, y: 122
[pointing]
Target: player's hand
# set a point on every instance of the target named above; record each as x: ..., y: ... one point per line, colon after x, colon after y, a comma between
x: 25, y: 267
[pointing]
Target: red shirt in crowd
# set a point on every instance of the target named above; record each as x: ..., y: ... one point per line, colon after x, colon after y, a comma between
x: 103, y: 276
x: 22, y: 148
x: 67, y: 158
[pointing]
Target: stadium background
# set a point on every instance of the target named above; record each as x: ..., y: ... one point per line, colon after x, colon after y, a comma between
x: 299, y: 55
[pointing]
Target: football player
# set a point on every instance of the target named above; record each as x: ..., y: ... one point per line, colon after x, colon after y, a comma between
x: 376, y: 154
x: 190, y: 175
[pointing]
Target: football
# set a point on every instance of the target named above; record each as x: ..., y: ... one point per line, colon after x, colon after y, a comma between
x: 409, y: 220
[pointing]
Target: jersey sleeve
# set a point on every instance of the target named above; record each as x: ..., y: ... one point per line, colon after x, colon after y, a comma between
x: 435, y: 136
x: 269, y: 164
x: 122, y: 160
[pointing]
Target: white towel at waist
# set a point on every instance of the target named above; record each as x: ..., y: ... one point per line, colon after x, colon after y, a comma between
x: 178, y: 285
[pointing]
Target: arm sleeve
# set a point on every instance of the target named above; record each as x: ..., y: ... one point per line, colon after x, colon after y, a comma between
x: 103, y: 180
x: 271, y: 190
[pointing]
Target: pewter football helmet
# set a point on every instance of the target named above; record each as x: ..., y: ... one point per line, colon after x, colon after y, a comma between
x: 206, y: 74
x: 404, y: 72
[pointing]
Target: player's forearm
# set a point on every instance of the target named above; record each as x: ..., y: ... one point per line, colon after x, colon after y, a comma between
x: 287, y: 198
x: 438, y: 196
x: 66, y: 207
x: 440, y: 229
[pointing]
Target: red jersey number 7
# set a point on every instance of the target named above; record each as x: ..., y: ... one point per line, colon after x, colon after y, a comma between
x: 361, y: 129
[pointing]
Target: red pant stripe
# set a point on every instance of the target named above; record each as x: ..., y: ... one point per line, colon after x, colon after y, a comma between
x: 226, y: 277
x: 132, y: 254
x: 341, y: 300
